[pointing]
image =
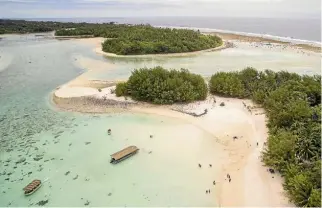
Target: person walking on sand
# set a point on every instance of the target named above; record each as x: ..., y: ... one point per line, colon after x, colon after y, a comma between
x: 206, y: 191
x: 214, y: 182
x: 199, y: 165
x: 210, y: 165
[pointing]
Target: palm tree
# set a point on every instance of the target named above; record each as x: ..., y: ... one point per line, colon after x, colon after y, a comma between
x: 300, y: 189
x: 306, y: 149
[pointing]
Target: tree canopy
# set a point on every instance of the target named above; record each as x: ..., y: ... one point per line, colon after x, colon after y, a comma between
x: 293, y: 107
x: 160, y: 86
x: 23, y: 26
x: 122, y: 39
x: 145, y: 39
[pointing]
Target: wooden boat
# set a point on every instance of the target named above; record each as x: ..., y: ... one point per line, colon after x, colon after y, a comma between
x: 32, y: 187
x: 123, y: 154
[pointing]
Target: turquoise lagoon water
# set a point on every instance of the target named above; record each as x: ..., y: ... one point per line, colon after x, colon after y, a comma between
x: 208, y: 63
x: 71, y: 151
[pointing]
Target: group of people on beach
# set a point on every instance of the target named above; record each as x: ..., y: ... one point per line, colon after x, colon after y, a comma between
x: 210, y: 165
x: 214, y: 182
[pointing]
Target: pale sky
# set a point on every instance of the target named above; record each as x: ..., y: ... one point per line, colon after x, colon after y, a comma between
x: 141, y: 8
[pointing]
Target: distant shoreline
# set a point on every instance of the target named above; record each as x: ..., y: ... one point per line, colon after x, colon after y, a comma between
x: 228, y: 42
x: 255, y: 39
x: 226, y: 37
x: 314, y: 46
x: 251, y: 34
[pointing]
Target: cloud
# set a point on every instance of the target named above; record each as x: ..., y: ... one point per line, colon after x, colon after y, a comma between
x: 18, y: 1
x: 112, y: 8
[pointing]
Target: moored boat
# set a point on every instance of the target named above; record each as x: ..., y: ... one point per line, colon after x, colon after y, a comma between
x: 32, y: 187
x: 123, y: 154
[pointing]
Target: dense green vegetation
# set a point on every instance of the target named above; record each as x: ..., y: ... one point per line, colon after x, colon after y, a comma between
x: 293, y: 107
x: 23, y: 26
x: 145, y: 39
x: 160, y: 86
x: 122, y: 39
x: 150, y: 40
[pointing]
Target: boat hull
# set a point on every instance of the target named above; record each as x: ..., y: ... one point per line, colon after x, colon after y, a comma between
x: 27, y: 194
x: 123, y: 158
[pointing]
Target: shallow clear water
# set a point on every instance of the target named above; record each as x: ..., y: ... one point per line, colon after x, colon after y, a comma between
x: 40, y: 142
x: 77, y: 164
x: 37, y: 141
x: 206, y: 64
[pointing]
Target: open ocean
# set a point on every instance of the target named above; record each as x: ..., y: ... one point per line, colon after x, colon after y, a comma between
x: 299, y: 29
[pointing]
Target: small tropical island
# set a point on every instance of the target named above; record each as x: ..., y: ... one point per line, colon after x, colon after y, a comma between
x: 145, y: 39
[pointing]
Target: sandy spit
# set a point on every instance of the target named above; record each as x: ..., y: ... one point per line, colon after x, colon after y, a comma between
x: 251, y: 39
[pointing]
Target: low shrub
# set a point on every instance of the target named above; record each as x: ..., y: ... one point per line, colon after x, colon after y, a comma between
x: 121, y: 89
